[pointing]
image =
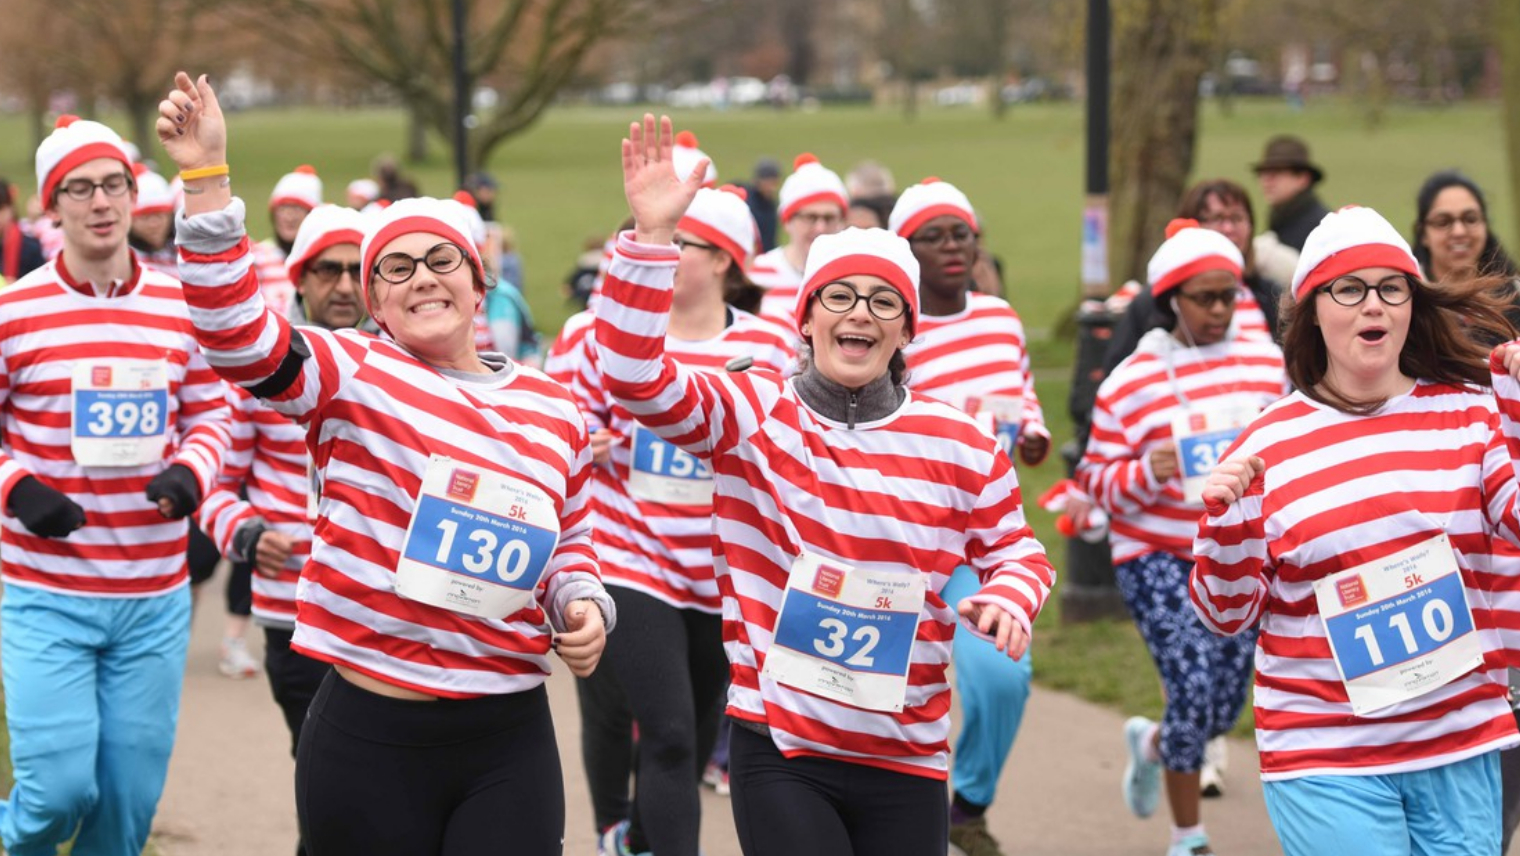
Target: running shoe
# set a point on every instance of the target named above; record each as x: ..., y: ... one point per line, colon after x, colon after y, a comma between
x: 1142, y: 777
x: 1193, y: 845
x: 236, y: 662
x: 614, y: 840
x: 1215, y: 759
x: 971, y: 838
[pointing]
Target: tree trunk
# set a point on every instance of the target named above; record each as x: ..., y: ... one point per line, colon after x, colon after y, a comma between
x: 141, y: 115
x: 1507, y: 34
x: 416, y: 136
x: 1159, y: 47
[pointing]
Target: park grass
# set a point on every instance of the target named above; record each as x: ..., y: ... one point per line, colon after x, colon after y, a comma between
x: 560, y: 183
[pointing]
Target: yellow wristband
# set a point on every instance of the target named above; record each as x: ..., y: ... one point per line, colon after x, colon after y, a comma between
x: 204, y: 172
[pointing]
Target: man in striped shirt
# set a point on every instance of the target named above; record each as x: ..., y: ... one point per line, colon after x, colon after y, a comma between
x: 114, y: 428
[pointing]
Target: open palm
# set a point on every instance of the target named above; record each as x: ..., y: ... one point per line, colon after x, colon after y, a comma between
x: 656, y: 196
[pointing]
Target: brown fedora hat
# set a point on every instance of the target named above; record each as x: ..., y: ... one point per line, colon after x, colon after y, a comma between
x: 1288, y: 152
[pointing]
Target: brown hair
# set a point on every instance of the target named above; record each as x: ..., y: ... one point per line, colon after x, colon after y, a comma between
x: 738, y: 291
x: 1228, y: 192
x: 1447, y: 330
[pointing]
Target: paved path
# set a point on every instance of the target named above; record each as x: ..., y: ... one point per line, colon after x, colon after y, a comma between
x: 230, y: 781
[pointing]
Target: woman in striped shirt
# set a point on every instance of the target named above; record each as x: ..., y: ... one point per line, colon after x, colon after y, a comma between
x: 1159, y: 422
x: 1351, y: 523
x: 451, y: 550
x: 842, y: 503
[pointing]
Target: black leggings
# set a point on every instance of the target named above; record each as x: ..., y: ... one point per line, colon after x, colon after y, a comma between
x: 811, y: 806
x: 607, y: 748
x: 293, y: 679
x: 388, y: 777
x: 672, y: 670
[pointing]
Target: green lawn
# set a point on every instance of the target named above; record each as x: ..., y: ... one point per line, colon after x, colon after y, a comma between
x: 1024, y: 175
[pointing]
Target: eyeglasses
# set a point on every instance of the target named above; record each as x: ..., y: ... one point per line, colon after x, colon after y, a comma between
x: 83, y: 189
x: 944, y: 237
x: 841, y: 297
x: 828, y: 221
x: 1224, y: 218
x: 1352, y: 290
x: 1207, y: 299
x: 328, y: 272
x: 397, y: 268
x: 682, y: 243
x: 1443, y: 222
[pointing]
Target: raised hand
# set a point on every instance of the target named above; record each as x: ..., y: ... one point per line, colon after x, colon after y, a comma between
x: 656, y: 195
x: 190, y: 124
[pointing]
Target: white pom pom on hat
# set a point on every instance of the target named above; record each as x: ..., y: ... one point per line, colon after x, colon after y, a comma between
x: 722, y: 218
x: 1190, y: 249
x: 811, y: 182
x: 1348, y: 240
x: 301, y: 187
x: 326, y: 226
x: 685, y: 156
x: 154, y: 195
x: 874, y: 252
x: 441, y: 217
x: 73, y: 143
x: 926, y: 200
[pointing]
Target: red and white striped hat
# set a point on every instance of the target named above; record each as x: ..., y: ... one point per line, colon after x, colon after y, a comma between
x: 301, y: 187
x: 875, y: 252
x: 1190, y: 249
x: 441, y: 217
x: 154, y: 196
x: 926, y: 200
x: 811, y: 182
x: 75, y: 142
x: 685, y: 156
x: 326, y: 226
x: 1348, y: 240
x: 722, y: 218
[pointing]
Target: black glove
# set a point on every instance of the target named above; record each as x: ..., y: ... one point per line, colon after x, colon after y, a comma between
x: 43, y: 510
x: 179, y: 485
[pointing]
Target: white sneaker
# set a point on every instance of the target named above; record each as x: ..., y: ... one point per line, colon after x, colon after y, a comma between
x: 1193, y: 845
x: 236, y: 662
x: 1142, y: 777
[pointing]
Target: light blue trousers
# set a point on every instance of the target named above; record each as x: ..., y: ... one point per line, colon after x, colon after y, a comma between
x: 92, y: 690
x: 993, y: 690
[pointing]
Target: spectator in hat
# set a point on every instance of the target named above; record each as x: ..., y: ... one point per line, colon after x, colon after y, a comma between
x: 763, y: 201
x: 1287, y: 177
x: 20, y: 253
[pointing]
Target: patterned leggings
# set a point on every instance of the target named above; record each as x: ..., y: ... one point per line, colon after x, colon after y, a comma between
x: 1203, y: 676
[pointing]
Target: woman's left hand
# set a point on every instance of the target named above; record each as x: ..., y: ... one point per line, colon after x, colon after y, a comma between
x: 1512, y: 359
x: 581, y: 645
x: 993, y: 620
x: 656, y: 195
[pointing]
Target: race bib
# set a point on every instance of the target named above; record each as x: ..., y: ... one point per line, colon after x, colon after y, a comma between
x: 1202, y: 435
x: 120, y: 413
x: 1400, y: 626
x: 1003, y: 414
x: 665, y: 473
x: 478, y: 542
x: 846, y: 633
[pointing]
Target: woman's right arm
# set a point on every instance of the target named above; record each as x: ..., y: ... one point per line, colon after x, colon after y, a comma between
x: 242, y: 339
x: 1228, y: 584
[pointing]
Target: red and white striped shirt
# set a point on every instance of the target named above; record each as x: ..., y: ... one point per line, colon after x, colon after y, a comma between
x: 771, y: 271
x: 919, y: 492
x: 48, y: 322
x: 274, y: 279
x: 561, y: 363
x: 270, y: 464
x: 663, y: 550
x: 1133, y: 415
x: 375, y: 414
x: 1341, y: 490
x: 976, y: 352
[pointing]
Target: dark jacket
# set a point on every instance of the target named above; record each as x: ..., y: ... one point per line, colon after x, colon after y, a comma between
x: 29, y: 259
x: 1140, y: 318
x: 1295, y: 219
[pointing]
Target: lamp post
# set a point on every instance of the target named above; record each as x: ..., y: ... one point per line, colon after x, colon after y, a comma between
x: 462, y: 95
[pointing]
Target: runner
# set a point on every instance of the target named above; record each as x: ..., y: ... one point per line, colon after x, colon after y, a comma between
x: 813, y: 203
x: 1348, y: 523
x: 294, y: 196
x: 652, y: 519
x: 104, y: 397
x: 1159, y: 423
x: 842, y: 502
x: 451, y: 550
x: 970, y: 352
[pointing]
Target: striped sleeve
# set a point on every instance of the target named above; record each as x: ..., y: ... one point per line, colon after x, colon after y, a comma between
x: 1015, y: 573
x: 205, y: 420
x: 11, y: 470
x: 224, y: 510
x: 1114, y: 471
x: 1501, y: 496
x: 1228, y: 583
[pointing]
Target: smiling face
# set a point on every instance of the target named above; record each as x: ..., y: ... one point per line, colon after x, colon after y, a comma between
x: 1454, y: 231
x: 854, y: 348
x: 96, y: 228
x: 1363, y: 342
x: 430, y: 314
